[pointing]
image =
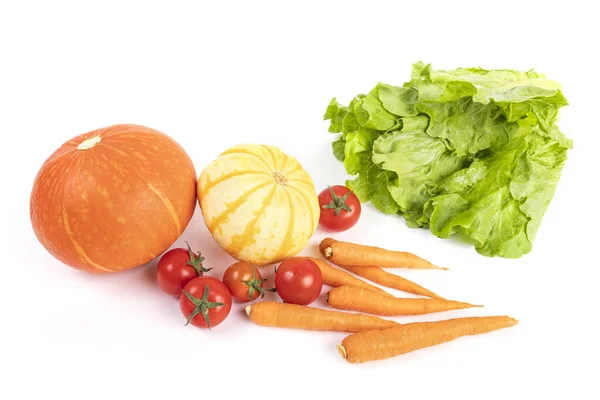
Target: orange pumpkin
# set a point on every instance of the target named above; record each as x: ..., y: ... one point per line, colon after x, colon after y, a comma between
x: 114, y: 198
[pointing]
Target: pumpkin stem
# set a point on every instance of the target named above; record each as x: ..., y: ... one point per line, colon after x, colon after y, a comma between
x: 89, y: 143
x: 279, y: 178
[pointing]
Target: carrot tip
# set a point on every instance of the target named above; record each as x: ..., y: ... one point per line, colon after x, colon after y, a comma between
x: 248, y: 309
x: 342, y: 351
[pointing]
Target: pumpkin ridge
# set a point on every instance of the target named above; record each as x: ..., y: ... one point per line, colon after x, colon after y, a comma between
x: 77, y: 246
x: 211, y: 184
x: 166, y: 202
x: 297, y: 169
x: 118, y: 130
x: 246, y: 152
x: 52, y: 167
x: 312, y: 214
x: 285, y: 159
x: 291, y: 165
x: 55, y: 158
x: 234, y: 206
x: 300, y: 181
x: 245, y: 236
x: 287, y: 239
x: 118, y: 151
x: 272, y: 156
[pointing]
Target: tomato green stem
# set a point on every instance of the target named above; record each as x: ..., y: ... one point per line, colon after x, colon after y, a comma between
x: 338, y: 203
x: 196, y: 261
x: 202, y: 306
x: 255, y: 285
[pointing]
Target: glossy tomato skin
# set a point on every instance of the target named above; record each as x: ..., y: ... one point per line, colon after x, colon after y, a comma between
x: 298, y: 280
x: 173, y: 271
x: 217, y: 293
x: 235, y: 275
x: 345, y: 219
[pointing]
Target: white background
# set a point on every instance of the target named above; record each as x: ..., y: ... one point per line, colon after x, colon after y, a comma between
x: 215, y: 74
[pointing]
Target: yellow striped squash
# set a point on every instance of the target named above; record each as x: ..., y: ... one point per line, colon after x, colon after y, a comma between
x: 258, y: 203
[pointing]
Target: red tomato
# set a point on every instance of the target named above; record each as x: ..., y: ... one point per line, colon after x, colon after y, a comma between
x: 298, y: 281
x: 177, y: 267
x: 205, y: 302
x: 244, y: 282
x: 340, y: 208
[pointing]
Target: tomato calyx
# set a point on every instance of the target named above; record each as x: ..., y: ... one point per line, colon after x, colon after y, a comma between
x: 338, y: 203
x: 202, y: 305
x: 254, y: 285
x: 196, y: 261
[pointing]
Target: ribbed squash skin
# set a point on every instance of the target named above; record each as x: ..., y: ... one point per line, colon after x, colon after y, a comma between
x: 259, y: 204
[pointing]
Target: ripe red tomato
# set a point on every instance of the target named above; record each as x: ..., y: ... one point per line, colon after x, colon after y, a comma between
x: 205, y: 302
x: 298, y: 280
x: 177, y: 267
x: 340, y: 208
x: 244, y: 282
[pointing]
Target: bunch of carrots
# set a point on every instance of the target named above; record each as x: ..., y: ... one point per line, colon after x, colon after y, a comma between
x: 374, y: 338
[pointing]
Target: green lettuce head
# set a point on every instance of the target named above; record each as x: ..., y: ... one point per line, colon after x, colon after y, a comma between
x: 470, y: 151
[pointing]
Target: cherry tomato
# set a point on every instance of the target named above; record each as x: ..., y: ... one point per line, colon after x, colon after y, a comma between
x: 205, y: 302
x: 177, y: 267
x: 298, y: 280
x: 244, y: 282
x: 340, y: 208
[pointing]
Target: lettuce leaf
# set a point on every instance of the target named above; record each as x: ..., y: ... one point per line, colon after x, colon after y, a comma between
x: 469, y: 152
x: 418, y: 161
x: 503, y: 211
x: 371, y: 184
x: 481, y: 84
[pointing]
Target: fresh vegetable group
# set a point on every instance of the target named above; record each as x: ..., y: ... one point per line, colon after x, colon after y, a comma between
x: 206, y: 302
x: 374, y: 338
x: 470, y: 151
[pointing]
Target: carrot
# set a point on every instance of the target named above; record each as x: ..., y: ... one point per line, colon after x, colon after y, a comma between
x: 391, y: 342
x: 393, y: 281
x: 285, y: 315
x: 353, y: 298
x: 345, y: 253
x: 336, y: 277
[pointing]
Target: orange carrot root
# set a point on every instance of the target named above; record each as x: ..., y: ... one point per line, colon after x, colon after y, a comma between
x: 386, y: 343
x: 384, y: 278
x: 351, y: 254
x: 353, y: 298
x: 284, y: 315
x: 336, y: 277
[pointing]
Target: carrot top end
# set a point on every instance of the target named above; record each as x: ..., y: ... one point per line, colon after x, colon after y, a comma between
x: 342, y: 351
